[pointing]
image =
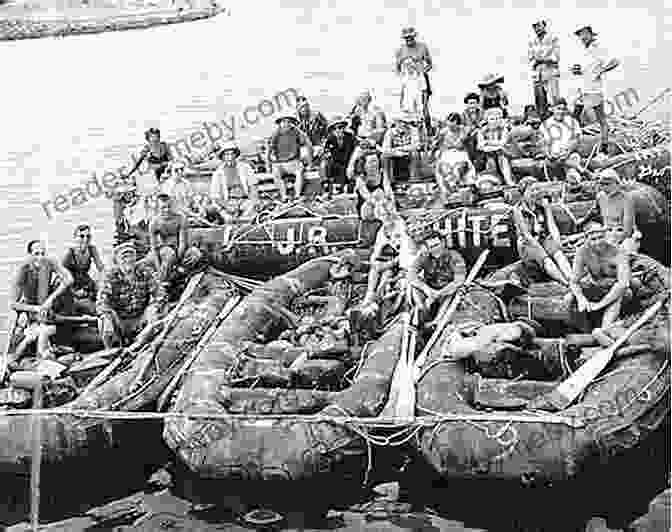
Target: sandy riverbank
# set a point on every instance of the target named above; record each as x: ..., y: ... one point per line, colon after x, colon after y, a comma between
x: 34, y: 20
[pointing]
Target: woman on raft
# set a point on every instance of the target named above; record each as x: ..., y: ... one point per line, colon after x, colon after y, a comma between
x: 372, y: 185
x: 78, y: 260
x: 155, y: 152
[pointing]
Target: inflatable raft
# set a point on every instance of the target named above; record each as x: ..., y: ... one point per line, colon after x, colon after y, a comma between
x: 493, y: 426
x: 129, y: 381
x: 270, y: 444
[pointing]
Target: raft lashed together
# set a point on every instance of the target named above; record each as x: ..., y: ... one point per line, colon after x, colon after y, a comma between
x: 615, y: 413
x: 234, y: 449
x: 69, y: 437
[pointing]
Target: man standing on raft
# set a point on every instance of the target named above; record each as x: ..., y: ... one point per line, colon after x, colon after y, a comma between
x: 418, y: 53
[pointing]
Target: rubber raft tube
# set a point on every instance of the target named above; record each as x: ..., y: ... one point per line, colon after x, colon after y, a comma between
x: 66, y: 438
x: 617, y: 412
x: 234, y: 449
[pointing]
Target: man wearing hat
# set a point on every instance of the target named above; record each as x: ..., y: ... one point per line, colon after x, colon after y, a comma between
x: 562, y: 135
x: 596, y: 64
x: 124, y: 304
x: 402, y: 140
x: 544, y: 57
x: 233, y: 186
x: 284, y: 154
x: 338, y: 149
x: 367, y: 119
x: 492, y: 94
x: 312, y: 123
x: 417, y: 53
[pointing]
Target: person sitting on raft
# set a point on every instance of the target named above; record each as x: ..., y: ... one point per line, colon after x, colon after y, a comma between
x: 312, y: 123
x: 233, y: 187
x: 562, y: 135
x: 453, y: 168
x: 179, y: 188
x: 601, y: 269
x: 615, y: 208
x: 156, y: 152
x: 402, y: 140
x: 492, y: 95
x: 78, y: 260
x: 126, y: 302
x: 493, y: 138
x: 472, y: 120
x: 32, y: 295
x: 528, y: 137
x: 339, y: 146
x: 539, y: 237
x: 284, y: 154
x: 372, y: 185
x: 169, y: 241
x: 368, y: 120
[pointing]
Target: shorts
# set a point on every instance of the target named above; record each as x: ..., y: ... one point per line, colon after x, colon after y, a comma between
x: 592, y: 99
x: 336, y: 173
x: 290, y: 167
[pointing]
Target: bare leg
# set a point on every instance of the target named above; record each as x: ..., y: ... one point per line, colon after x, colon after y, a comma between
x: 602, y: 119
x: 554, y: 272
x: 298, y: 183
x: 279, y: 182
x: 563, y: 264
x: 611, y: 313
x: 43, y: 344
x: 506, y: 169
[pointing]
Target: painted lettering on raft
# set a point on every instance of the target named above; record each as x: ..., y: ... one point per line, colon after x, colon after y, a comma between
x: 464, y: 230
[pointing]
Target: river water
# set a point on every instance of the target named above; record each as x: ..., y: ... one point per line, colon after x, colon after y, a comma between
x: 80, y: 104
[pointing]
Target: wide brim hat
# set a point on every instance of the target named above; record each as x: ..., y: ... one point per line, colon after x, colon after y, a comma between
x: 291, y: 118
x: 408, y: 32
x: 487, y: 179
x: 608, y: 176
x: 539, y: 24
x: 587, y: 28
x: 125, y: 248
x: 490, y: 79
x: 337, y: 121
x: 226, y: 147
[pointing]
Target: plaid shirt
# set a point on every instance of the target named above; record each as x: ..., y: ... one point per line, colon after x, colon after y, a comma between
x: 314, y: 126
x: 126, y: 298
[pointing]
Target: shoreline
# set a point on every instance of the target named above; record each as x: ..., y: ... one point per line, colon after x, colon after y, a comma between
x: 42, y: 25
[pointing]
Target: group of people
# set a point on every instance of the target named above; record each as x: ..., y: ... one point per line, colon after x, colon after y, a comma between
x: 129, y: 294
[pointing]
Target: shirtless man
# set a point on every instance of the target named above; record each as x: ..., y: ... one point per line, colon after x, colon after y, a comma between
x: 615, y: 208
x: 31, y: 289
x: 233, y: 187
x: 169, y: 241
x: 603, y: 267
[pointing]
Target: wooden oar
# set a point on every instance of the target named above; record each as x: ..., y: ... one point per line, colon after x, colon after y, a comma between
x: 158, y: 341
x: 565, y: 394
x: 103, y: 375
x: 4, y: 363
x: 442, y: 321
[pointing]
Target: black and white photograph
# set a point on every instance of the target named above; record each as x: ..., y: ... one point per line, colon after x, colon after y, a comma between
x: 326, y: 265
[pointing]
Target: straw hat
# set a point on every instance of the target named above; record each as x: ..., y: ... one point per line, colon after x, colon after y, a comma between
x: 337, y: 121
x: 608, y: 176
x: 291, y: 118
x: 587, y: 28
x: 491, y: 79
x: 485, y: 180
x: 228, y: 146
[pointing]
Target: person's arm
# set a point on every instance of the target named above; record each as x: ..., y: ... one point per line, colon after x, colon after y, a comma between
x: 350, y: 172
x: 578, y: 269
x: 16, y: 288
x: 628, y: 215
x: 270, y: 152
x: 169, y: 154
x: 361, y: 189
x: 481, y: 143
x: 428, y: 59
x: 183, y: 244
x: 531, y: 53
x: 305, y: 141
x: 387, y: 187
x: 379, y: 124
x: 387, y: 144
x: 141, y: 159
x: 66, y: 282
x: 154, y: 243
x: 594, y: 214
x: 397, y: 61
x: 97, y: 261
x: 106, y: 301
x: 623, y: 277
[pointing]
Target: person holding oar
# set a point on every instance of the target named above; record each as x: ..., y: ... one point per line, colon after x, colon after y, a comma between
x: 34, y: 295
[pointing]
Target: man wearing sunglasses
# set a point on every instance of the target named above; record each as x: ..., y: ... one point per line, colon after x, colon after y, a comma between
x: 34, y: 287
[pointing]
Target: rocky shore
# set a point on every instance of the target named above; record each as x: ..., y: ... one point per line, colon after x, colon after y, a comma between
x: 15, y: 27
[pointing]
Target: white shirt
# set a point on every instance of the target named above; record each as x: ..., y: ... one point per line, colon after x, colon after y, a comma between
x: 595, y: 59
x: 219, y: 183
x: 545, y: 49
